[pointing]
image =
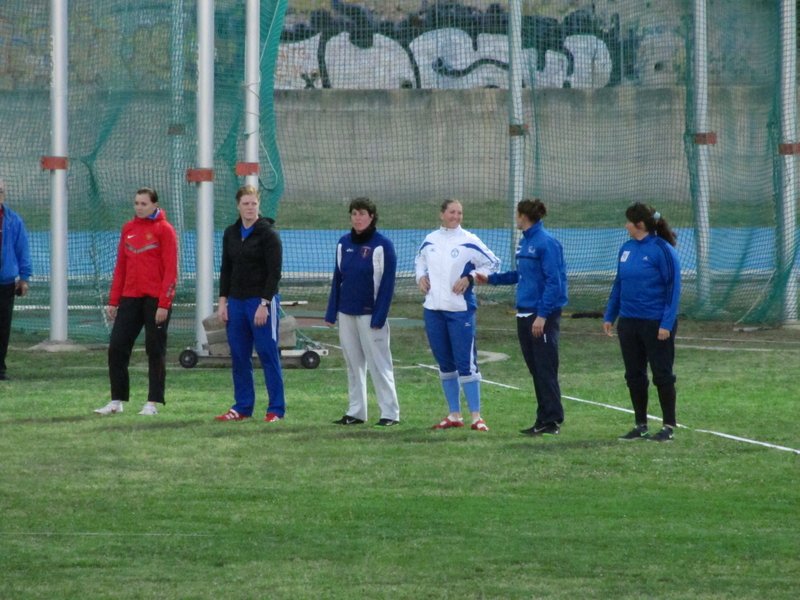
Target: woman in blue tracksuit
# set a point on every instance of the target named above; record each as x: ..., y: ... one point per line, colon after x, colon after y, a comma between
x: 361, y: 293
x: 645, y: 296
x: 541, y: 278
x: 446, y: 265
x: 249, y: 305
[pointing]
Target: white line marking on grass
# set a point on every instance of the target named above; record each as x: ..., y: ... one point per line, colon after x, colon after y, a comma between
x: 725, y: 435
x: 628, y: 410
x: 51, y: 533
x: 741, y: 439
x: 686, y: 346
x: 435, y: 368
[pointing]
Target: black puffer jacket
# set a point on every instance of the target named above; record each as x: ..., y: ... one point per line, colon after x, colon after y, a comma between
x: 251, y: 268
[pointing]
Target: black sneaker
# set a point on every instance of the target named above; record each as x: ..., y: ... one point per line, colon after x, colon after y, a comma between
x: 542, y: 429
x: 665, y: 435
x: 348, y: 420
x: 640, y: 432
x: 386, y: 423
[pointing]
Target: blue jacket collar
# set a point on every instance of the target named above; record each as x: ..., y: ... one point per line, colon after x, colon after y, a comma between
x: 538, y: 226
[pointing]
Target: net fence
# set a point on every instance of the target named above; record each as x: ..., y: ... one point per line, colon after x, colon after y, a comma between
x: 407, y: 103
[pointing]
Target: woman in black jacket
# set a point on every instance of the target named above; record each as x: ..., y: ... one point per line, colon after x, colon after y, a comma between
x: 249, y: 304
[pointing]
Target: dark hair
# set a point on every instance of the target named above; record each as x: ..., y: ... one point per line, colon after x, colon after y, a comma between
x: 148, y: 192
x: 246, y: 190
x: 653, y: 221
x: 447, y: 203
x: 534, y: 209
x: 364, y: 204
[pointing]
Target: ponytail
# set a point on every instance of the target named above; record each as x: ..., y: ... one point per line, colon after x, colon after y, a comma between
x: 653, y: 221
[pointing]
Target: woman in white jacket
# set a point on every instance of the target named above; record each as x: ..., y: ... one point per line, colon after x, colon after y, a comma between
x: 445, y: 268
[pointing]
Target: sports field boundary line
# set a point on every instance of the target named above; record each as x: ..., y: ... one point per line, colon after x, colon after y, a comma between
x: 628, y: 410
x: 106, y: 534
x: 717, y: 433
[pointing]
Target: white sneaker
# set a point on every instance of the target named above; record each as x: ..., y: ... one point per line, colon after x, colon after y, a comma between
x: 115, y: 406
x: 148, y: 409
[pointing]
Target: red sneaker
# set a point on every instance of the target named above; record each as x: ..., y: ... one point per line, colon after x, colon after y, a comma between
x: 447, y: 423
x: 480, y: 425
x: 231, y: 415
x: 272, y: 417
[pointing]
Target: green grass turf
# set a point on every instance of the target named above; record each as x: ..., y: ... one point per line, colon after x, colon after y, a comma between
x: 181, y: 506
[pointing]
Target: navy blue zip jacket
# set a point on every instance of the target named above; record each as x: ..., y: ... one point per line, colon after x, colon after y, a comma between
x: 363, y: 278
x: 541, y: 274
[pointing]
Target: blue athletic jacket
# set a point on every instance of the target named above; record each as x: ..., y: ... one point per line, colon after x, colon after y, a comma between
x: 363, y: 278
x: 541, y: 274
x: 16, y: 257
x: 648, y: 282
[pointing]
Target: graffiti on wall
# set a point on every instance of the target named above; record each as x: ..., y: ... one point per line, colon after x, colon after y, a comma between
x: 450, y: 46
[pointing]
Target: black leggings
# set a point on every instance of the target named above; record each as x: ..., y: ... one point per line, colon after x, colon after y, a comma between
x: 638, y: 340
x: 132, y: 315
x: 6, y: 312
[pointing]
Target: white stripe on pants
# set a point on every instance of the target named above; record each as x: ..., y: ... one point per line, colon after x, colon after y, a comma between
x: 366, y: 348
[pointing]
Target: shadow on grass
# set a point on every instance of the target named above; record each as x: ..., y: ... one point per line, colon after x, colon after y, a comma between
x: 42, y: 421
x: 415, y: 435
x: 153, y: 425
x: 550, y: 445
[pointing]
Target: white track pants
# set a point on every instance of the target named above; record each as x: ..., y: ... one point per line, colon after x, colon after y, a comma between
x: 366, y: 348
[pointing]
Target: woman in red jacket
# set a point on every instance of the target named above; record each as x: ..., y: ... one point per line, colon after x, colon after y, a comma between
x: 141, y: 296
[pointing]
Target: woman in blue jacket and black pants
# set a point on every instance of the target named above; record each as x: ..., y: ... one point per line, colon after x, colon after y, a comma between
x: 541, y: 278
x: 645, y: 297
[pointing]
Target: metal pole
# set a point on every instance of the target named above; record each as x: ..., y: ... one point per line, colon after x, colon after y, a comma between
x: 517, y: 128
x: 703, y: 193
x: 252, y: 86
x: 177, y: 128
x: 787, y: 207
x: 205, y: 160
x: 59, y: 290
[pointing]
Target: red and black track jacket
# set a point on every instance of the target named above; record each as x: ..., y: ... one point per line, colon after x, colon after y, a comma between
x: 147, y: 261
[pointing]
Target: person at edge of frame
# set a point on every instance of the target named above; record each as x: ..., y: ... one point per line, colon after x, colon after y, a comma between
x: 142, y: 291
x: 360, y: 297
x: 16, y: 270
x: 541, y: 279
x: 645, y: 296
x: 445, y: 268
x: 249, y: 305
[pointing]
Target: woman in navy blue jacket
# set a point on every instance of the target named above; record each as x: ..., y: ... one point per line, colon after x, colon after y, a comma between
x: 541, y: 278
x: 361, y: 293
x: 645, y: 297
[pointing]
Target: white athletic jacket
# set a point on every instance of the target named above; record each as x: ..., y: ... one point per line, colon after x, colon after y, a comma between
x: 446, y: 256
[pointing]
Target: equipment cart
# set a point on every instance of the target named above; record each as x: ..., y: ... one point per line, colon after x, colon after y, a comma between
x: 295, y: 347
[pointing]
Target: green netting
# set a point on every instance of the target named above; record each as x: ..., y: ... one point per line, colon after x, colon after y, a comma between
x: 407, y: 103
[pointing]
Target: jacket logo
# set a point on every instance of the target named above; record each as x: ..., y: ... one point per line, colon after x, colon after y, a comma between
x: 454, y: 252
x: 366, y: 251
x: 646, y: 258
x: 624, y: 256
x: 149, y: 236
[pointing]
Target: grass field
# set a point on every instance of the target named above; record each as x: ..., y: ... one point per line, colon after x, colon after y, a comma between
x: 181, y: 506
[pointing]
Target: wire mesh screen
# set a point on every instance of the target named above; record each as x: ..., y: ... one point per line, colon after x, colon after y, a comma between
x: 407, y: 103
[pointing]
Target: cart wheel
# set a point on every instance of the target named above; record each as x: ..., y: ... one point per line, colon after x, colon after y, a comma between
x: 309, y: 359
x: 188, y: 359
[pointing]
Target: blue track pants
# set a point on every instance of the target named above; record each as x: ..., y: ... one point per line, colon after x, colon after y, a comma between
x: 243, y: 336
